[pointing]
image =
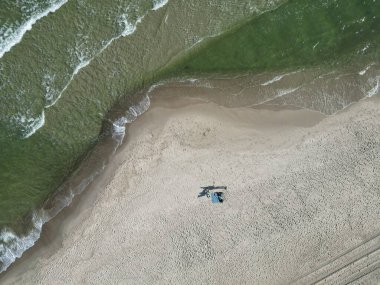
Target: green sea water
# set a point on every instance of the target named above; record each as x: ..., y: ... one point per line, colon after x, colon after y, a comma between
x: 60, y: 81
x: 59, y: 84
x: 299, y: 34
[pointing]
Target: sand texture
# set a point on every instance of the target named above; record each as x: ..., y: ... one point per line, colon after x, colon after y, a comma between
x: 302, y: 204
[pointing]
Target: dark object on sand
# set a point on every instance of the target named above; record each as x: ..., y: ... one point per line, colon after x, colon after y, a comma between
x: 216, y: 196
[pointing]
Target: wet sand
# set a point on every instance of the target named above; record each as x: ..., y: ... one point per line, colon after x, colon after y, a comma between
x: 303, y: 193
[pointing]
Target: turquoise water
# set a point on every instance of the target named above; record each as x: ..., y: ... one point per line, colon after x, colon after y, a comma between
x: 64, y: 65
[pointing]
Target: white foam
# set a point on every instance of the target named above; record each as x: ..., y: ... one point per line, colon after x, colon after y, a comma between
x: 279, y: 77
x: 286, y: 92
x: 81, y: 65
x: 129, y: 29
x: 50, y: 91
x: 375, y: 89
x: 275, y: 79
x: 361, y: 20
x: 159, y: 4
x: 281, y: 93
x: 16, y: 36
x: 364, y: 48
x: 49, y: 96
x: 13, y: 246
x: 133, y: 112
x: 364, y: 71
x: 33, y: 124
x: 153, y: 87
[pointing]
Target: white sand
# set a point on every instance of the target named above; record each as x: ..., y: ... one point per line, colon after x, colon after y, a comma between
x: 302, y: 190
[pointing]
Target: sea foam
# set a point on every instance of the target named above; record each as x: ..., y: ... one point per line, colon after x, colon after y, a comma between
x: 275, y: 79
x: 133, y: 112
x: 52, y: 96
x: 279, y: 77
x: 29, y: 125
x: 364, y: 71
x: 14, y: 36
x: 129, y: 28
x: 13, y: 246
x: 375, y: 89
x: 159, y: 4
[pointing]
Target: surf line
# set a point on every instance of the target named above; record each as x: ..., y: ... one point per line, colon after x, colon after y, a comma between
x: 128, y: 30
x: 17, y: 36
x: 13, y: 246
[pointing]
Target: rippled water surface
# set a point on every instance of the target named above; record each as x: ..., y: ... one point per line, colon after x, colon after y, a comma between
x: 64, y: 64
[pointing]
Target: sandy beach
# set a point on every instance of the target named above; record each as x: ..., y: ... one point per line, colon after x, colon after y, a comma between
x: 302, y: 204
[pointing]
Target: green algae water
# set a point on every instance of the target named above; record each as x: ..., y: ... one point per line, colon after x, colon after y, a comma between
x: 65, y: 64
x: 298, y: 34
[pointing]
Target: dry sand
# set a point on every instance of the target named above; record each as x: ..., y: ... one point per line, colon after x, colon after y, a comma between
x: 302, y: 205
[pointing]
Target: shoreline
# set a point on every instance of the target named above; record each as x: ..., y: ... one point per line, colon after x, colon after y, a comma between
x: 249, y: 97
x: 283, y: 123
x: 49, y: 237
x: 133, y: 68
x: 70, y: 219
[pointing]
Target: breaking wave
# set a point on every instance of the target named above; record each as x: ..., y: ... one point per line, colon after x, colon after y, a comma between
x: 159, y: 4
x: 13, y: 246
x: 375, y: 89
x: 29, y: 125
x: 52, y: 95
x: 118, y: 131
x: 128, y: 28
x: 11, y: 36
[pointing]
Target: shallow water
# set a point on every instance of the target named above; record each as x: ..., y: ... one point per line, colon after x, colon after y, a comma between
x: 297, y: 34
x: 59, y: 82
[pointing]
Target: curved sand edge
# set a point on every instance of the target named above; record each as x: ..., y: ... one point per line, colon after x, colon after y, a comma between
x: 301, y: 190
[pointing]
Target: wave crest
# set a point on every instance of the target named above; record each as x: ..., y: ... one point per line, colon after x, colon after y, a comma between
x: 11, y: 36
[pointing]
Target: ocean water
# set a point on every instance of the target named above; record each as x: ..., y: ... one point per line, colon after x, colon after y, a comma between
x: 18, y: 17
x: 297, y: 34
x: 63, y: 66
x: 70, y: 72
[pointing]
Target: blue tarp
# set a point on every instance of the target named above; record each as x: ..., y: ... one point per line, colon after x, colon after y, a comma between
x: 215, y: 198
